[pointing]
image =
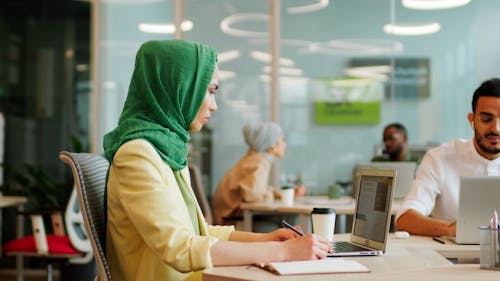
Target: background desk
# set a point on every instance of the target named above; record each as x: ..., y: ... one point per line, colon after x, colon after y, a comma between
x: 302, y: 207
x: 416, y: 258
x: 15, y: 201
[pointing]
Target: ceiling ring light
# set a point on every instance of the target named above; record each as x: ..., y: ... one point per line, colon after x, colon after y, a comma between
x: 225, y: 25
x: 433, y: 4
x: 160, y: 28
x: 340, y: 46
x: 366, y: 45
x: 266, y: 58
x: 318, y: 5
x: 411, y: 30
x: 226, y: 56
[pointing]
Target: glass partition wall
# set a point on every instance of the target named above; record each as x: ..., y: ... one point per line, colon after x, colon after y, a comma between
x: 44, y: 82
x: 44, y: 106
x: 346, y: 71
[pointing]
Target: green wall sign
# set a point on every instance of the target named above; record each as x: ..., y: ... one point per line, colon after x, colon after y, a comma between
x: 347, y: 113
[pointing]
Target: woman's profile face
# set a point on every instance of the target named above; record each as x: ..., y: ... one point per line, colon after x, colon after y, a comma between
x: 208, y: 105
x: 278, y: 150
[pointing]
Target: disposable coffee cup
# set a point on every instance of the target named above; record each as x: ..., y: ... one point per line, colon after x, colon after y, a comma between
x: 489, y: 248
x: 287, y: 194
x: 323, y: 222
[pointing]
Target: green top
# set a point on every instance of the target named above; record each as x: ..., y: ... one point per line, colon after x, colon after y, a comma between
x: 168, y: 85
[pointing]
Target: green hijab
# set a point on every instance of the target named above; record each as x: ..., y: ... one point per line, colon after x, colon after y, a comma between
x: 168, y: 85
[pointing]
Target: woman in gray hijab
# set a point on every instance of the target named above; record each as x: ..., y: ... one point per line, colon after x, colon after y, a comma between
x: 248, y: 179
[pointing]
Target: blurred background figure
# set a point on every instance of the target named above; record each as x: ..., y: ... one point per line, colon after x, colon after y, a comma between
x: 395, y: 139
x: 248, y: 179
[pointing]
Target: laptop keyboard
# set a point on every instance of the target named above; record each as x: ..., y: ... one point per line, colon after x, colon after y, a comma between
x: 346, y: 247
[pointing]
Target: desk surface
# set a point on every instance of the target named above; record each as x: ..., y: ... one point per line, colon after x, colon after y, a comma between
x: 415, y: 258
x: 10, y: 201
x: 465, y: 272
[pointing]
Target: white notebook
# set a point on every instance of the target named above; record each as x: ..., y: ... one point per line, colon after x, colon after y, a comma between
x: 328, y: 265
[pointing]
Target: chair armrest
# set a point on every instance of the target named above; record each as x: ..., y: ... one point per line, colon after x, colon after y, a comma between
x: 38, y: 226
x: 55, y: 216
x: 57, y: 223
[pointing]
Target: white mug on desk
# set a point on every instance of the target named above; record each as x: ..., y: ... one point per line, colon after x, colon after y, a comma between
x: 287, y: 194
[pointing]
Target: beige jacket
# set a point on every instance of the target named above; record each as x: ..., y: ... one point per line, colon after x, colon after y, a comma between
x: 247, y: 181
x: 149, y: 232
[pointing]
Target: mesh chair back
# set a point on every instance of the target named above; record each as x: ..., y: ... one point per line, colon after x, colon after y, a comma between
x: 89, y: 172
x: 199, y: 192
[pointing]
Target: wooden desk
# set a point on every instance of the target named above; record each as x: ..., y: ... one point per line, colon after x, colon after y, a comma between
x: 12, y: 201
x: 416, y: 258
x: 450, y: 250
x: 15, y: 201
x: 303, y: 207
x: 459, y: 272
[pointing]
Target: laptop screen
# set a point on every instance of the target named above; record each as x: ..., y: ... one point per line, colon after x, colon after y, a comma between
x: 373, y: 209
x: 477, y: 200
x: 406, y: 174
x: 405, y: 171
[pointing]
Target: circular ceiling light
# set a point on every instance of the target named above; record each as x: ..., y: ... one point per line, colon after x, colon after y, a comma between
x: 158, y: 28
x: 226, y: 74
x: 377, y: 72
x: 266, y: 58
x: 320, y: 4
x: 225, y: 25
x: 366, y: 46
x: 292, y: 71
x: 433, y: 4
x: 228, y: 56
x: 411, y: 30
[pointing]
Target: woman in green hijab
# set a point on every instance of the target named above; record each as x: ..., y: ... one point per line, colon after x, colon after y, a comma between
x: 156, y: 230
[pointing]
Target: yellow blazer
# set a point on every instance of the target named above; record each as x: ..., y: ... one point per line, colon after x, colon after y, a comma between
x: 149, y: 232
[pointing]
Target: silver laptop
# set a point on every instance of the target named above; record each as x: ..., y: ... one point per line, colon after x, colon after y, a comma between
x: 372, y: 215
x: 478, y: 198
x: 405, y: 171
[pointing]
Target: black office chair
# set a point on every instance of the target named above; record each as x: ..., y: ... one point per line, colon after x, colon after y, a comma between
x: 89, y: 172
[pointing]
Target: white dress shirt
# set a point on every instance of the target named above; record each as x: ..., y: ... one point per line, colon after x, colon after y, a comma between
x: 435, y: 189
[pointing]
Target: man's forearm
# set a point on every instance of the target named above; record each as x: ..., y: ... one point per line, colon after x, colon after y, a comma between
x: 416, y: 223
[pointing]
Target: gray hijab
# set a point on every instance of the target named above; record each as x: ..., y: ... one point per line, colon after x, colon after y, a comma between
x: 260, y: 136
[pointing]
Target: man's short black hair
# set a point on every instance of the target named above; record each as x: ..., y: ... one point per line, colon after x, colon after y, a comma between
x: 399, y: 127
x: 489, y: 88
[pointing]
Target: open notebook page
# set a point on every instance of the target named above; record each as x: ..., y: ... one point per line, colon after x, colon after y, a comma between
x: 328, y: 265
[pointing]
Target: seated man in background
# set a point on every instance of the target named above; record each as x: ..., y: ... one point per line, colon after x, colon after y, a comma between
x: 396, y: 145
x: 248, y: 179
x: 431, y: 206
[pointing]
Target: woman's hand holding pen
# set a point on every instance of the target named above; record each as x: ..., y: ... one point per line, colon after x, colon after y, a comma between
x: 307, y: 247
x: 310, y: 246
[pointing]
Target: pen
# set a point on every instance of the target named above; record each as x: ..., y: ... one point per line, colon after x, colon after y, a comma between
x: 496, y: 237
x: 287, y: 225
x: 438, y: 240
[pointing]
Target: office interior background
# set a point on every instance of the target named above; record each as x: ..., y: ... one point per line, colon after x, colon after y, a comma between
x: 344, y: 74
